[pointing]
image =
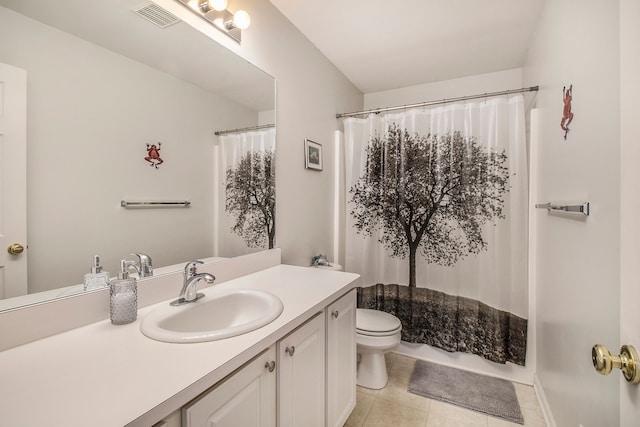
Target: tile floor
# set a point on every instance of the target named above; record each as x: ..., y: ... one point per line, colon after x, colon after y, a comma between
x: 394, y: 406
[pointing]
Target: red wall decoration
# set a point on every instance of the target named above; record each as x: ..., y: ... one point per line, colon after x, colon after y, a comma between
x: 153, y: 155
x: 567, y: 115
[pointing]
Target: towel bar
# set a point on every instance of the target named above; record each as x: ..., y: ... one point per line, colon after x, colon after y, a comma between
x: 583, y: 208
x: 155, y: 204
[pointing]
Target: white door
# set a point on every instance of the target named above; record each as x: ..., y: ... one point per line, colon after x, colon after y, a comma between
x: 629, y: 201
x: 13, y: 188
x: 341, y: 359
x: 247, y: 398
x: 301, y: 376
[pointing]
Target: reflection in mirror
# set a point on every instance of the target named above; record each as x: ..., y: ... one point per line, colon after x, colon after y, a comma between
x: 119, y: 108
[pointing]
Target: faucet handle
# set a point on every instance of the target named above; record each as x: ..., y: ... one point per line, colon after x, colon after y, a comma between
x: 127, y: 265
x: 144, y: 263
x: 191, y: 268
x: 142, y: 257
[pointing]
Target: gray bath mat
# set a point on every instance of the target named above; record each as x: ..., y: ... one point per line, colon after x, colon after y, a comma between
x: 491, y: 396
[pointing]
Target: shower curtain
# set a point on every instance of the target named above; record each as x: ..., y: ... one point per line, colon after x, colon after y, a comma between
x: 437, y: 223
x: 247, y: 192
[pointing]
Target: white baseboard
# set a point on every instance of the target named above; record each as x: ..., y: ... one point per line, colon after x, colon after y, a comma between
x: 544, y: 404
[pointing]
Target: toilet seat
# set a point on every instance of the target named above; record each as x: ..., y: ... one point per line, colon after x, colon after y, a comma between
x: 378, y: 334
x: 376, y: 323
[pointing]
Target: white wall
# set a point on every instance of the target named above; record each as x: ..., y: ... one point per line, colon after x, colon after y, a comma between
x: 91, y: 113
x: 578, y: 258
x: 310, y: 91
x: 267, y: 117
x: 454, y: 88
x: 490, y: 82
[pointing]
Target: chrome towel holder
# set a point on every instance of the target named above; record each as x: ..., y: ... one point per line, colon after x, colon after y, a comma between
x: 580, y: 209
x: 155, y: 204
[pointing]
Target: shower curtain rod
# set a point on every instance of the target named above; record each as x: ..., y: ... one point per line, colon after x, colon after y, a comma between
x: 440, y: 101
x: 226, y: 132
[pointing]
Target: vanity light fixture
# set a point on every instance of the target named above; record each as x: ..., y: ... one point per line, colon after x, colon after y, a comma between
x: 216, y: 13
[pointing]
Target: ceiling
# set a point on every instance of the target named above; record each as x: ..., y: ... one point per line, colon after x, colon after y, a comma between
x: 379, y: 47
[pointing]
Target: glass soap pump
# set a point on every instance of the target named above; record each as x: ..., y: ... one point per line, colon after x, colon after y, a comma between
x: 97, y: 278
x: 123, y: 297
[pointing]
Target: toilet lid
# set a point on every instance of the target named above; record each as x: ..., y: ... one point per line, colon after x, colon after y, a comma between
x: 376, y: 321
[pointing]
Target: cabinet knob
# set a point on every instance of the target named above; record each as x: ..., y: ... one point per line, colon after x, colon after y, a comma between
x: 270, y: 366
x: 627, y: 362
x: 335, y: 313
x: 290, y: 350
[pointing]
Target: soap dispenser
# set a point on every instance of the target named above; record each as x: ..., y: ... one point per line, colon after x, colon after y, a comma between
x: 97, y: 278
x: 123, y: 297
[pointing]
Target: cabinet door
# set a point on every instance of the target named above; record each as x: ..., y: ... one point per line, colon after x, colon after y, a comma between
x: 301, y: 376
x: 341, y: 359
x: 247, y: 398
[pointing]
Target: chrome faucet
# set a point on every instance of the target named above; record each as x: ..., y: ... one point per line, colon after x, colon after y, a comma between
x: 142, y: 266
x: 191, y: 278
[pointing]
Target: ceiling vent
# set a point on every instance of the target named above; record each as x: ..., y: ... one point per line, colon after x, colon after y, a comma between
x: 154, y: 13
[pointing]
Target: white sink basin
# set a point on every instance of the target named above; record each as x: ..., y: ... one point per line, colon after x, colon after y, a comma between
x: 220, y: 314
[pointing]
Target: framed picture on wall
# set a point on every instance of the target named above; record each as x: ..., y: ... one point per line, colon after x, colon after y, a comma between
x: 312, y: 155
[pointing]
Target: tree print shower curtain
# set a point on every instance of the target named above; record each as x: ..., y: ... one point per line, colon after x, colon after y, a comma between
x: 247, y: 192
x: 437, y: 223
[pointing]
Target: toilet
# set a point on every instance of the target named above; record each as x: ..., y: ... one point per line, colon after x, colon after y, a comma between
x: 377, y: 332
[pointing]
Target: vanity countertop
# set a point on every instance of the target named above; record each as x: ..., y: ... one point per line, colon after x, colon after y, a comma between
x: 107, y: 375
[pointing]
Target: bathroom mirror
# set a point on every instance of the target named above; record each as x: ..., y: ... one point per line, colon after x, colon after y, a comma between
x: 109, y: 94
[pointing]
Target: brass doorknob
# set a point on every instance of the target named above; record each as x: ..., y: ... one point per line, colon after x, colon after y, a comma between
x: 627, y: 362
x: 15, y: 249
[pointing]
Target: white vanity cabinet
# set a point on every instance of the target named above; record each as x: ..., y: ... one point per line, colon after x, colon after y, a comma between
x: 306, y: 379
x: 341, y: 359
x: 301, y: 375
x: 247, y: 398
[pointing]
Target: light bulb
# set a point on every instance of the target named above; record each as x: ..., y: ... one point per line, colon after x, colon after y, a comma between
x: 218, y: 22
x: 218, y: 5
x: 241, y: 19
